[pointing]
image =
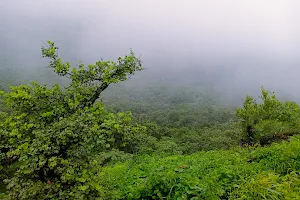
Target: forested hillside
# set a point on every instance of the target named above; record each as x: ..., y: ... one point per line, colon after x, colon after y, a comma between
x: 97, y: 135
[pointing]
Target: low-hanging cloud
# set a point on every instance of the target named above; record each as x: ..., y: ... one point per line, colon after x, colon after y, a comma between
x: 250, y: 42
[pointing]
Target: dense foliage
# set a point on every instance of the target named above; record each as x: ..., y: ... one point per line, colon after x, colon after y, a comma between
x: 54, y: 140
x: 142, y: 142
x: 250, y: 173
x: 270, y: 119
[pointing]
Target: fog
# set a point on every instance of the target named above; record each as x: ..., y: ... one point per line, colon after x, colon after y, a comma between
x: 238, y: 45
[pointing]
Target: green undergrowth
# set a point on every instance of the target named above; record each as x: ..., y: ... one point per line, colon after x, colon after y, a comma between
x: 244, y: 173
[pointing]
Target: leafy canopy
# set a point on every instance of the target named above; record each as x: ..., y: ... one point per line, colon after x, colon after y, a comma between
x: 54, y: 140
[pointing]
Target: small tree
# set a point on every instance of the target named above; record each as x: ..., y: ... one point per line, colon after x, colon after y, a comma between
x: 54, y: 140
x: 272, y: 118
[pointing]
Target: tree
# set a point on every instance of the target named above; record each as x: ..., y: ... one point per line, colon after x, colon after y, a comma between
x: 54, y: 140
x: 262, y: 123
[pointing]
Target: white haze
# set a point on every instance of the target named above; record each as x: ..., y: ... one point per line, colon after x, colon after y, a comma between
x: 249, y: 43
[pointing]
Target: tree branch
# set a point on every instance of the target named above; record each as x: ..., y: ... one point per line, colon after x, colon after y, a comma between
x: 96, y: 95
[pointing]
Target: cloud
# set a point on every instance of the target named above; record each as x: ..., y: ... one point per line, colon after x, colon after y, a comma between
x: 250, y: 41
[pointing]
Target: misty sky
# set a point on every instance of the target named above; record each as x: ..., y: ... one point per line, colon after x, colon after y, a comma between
x: 252, y: 41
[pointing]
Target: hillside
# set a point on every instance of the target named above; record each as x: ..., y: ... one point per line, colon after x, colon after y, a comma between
x: 75, y: 141
x: 242, y: 173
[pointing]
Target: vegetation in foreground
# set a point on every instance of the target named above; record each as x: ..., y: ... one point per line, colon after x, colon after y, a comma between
x: 61, y: 143
x: 249, y: 173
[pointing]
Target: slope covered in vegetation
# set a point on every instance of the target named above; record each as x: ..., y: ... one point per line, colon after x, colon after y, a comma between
x: 248, y: 173
x: 63, y: 143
